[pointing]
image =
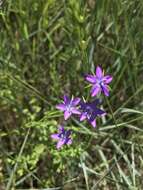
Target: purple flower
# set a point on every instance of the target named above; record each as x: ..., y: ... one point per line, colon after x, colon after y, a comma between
x: 63, y: 137
x: 99, y: 82
x: 90, y: 111
x: 69, y: 106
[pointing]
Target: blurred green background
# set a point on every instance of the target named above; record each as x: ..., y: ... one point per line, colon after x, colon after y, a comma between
x: 46, y: 48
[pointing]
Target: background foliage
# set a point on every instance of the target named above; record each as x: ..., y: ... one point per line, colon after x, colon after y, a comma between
x: 46, y: 47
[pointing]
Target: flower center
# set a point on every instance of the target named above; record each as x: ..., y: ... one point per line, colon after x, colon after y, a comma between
x: 100, y: 82
x: 69, y: 108
x: 89, y: 111
x: 63, y: 136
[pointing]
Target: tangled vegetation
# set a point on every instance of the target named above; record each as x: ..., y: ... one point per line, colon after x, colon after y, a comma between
x: 46, y: 48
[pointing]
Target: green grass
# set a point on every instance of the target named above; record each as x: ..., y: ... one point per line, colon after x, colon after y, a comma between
x: 46, y: 47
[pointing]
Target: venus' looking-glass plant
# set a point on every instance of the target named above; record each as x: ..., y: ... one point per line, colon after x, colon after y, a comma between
x: 90, y: 111
x: 69, y: 106
x: 85, y: 110
x: 99, y: 82
x: 63, y: 137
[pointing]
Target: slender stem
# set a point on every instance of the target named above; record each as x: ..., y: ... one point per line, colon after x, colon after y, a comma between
x: 110, y: 108
x: 16, y: 164
x: 114, y: 119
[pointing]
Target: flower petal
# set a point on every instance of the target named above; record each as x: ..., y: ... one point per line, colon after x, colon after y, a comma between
x: 99, y: 73
x: 91, y: 78
x: 82, y: 105
x: 75, y: 101
x: 61, y: 107
x: 66, y: 99
x: 95, y: 90
x: 69, y: 141
x: 67, y: 114
x: 68, y: 133
x: 55, y: 136
x: 105, y: 90
x: 93, y: 123
x: 94, y: 103
x: 100, y: 112
x: 75, y: 111
x: 60, y: 144
x: 61, y: 129
x: 107, y: 79
x: 82, y: 117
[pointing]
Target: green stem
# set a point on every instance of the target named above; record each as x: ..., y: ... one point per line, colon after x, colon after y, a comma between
x: 16, y: 164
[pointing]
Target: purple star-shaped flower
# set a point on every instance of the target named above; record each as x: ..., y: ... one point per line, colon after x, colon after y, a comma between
x: 63, y: 137
x: 99, y: 82
x: 69, y: 106
x: 90, y: 111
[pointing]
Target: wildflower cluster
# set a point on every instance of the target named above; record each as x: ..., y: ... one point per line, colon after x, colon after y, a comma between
x: 84, y: 110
